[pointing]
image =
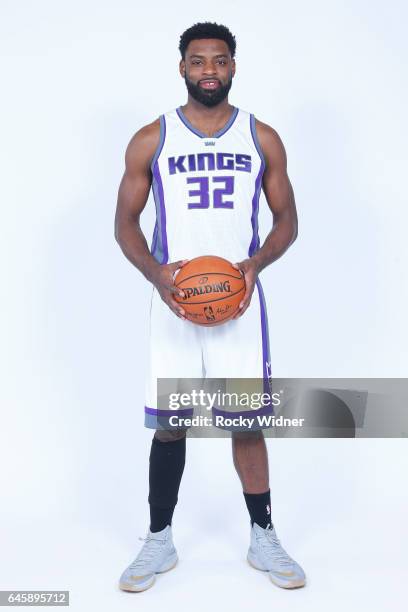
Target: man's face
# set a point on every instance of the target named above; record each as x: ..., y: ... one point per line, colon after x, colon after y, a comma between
x: 208, y: 70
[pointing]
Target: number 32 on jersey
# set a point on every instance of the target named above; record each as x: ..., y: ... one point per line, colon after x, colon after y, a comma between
x: 214, y: 191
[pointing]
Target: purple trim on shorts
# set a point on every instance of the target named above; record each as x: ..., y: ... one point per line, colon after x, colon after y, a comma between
x: 267, y: 409
x: 266, y: 357
x: 168, y: 412
x: 161, y: 211
x: 201, y: 134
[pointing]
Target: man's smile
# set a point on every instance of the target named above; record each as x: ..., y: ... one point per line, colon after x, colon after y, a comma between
x: 209, y: 84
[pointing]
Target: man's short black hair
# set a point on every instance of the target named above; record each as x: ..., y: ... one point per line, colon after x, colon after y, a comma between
x: 207, y: 30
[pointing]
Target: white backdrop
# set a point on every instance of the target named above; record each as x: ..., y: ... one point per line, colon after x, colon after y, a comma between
x: 79, y: 79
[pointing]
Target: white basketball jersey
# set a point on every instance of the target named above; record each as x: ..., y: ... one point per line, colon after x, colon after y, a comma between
x: 206, y: 189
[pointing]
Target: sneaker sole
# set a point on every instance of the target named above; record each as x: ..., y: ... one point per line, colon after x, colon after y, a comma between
x: 140, y: 588
x: 295, y: 584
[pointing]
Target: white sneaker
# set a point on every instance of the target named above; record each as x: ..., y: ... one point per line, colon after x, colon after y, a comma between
x: 156, y: 556
x: 266, y: 553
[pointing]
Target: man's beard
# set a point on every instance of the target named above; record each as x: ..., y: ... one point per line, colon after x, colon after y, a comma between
x: 207, y: 97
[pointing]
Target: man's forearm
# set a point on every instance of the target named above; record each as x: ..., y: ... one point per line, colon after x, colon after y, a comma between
x: 134, y: 246
x: 279, y: 239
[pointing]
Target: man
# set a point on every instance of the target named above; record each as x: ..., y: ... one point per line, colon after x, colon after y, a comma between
x: 207, y: 162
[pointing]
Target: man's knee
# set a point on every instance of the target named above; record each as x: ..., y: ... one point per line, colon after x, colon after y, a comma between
x: 169, y: 435
x: 248, y: 435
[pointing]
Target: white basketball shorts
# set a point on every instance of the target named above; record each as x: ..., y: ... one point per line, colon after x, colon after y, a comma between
x: 180, y: 349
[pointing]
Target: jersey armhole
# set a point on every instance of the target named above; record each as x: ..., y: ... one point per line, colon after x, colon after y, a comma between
x: 161, y: 142
x: 255, y: 139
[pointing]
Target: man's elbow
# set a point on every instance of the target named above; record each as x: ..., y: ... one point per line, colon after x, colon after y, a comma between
x: 118, y: 233
x: 125, y: 227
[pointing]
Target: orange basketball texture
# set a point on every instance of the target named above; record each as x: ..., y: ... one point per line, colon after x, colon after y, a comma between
x: 213, y: 289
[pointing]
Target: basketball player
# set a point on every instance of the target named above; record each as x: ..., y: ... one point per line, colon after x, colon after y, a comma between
x: 206, y: 162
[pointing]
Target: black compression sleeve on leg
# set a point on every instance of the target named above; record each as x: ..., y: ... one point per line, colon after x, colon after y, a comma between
x: 166, y: 466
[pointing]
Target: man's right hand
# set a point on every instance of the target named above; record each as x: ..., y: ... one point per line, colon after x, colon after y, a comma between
x: 163, y: 280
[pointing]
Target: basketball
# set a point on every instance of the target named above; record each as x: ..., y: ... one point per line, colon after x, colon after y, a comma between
x: 212, y: 287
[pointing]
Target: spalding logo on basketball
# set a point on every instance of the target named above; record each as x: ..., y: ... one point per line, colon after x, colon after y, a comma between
x: 212, y: 287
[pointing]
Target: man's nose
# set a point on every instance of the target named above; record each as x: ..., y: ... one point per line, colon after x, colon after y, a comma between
x: 209, y: 68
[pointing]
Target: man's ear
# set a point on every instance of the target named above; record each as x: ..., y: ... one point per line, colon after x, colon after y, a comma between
x: 233, y: 67
x: 182, y: 68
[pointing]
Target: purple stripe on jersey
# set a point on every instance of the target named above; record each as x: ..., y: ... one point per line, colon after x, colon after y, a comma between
x: 169, y: 413
x: 161, y: 212
x: 157, y: 248
x: 253, y: 247
x: 255, y: 137
x: 227, y: 125
x: 201, y: 134
x: 161, y: 141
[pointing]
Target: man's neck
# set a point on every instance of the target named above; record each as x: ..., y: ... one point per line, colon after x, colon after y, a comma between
x: 207, y: 119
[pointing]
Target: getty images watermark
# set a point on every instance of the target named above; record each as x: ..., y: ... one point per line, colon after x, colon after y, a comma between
x: 283, y: 407
x: 229, y: 409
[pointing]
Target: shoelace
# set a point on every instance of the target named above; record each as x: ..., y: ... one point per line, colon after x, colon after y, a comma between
x: 148, y: 551
x: 271, y: 543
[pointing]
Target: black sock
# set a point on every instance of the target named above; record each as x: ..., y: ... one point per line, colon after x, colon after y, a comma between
x: 166, y: 465
x: 259, y: 507
x: 160, y: 518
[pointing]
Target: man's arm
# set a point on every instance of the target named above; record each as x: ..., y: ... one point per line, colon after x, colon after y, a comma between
x: 281, y: 201
x: 279, y: 196
x: 133, y: 193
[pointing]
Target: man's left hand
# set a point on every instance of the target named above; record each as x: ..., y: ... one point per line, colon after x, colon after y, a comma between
x: 250, y: 271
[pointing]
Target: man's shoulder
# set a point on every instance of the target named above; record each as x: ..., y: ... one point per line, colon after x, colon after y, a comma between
x: 266, y: 131
x: 145, y: 140
x: 270, y: 142
x: 147, y: 133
